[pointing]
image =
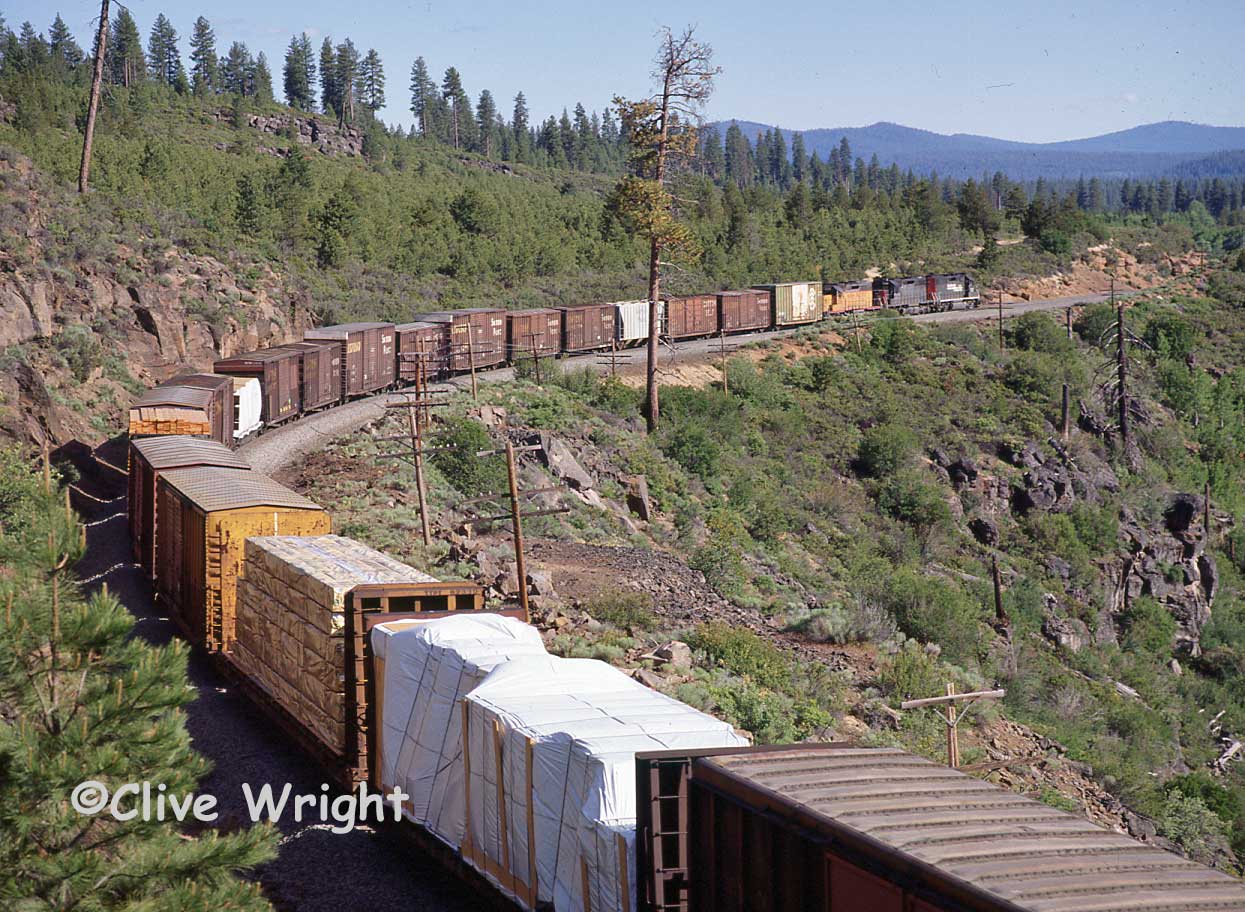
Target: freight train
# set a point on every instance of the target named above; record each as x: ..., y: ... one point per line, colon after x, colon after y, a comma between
x: 565, y: 784
x: 252, y: 391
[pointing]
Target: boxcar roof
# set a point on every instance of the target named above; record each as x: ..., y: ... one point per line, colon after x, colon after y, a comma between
x: 211, y: 489
x: 275, y: 353
x: 341, y: 330
x: 997, y: 842
x: 418, y: 324
x: 177, y: 451
x: 176, y: 394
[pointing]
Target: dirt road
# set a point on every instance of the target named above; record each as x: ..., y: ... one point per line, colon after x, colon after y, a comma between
x: 282, y: 446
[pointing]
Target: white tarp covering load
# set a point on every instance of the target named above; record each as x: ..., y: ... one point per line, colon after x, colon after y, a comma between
x: 632, y: 319
x: 429, y: 668
x: 551, y: 747
x: 248, y: 401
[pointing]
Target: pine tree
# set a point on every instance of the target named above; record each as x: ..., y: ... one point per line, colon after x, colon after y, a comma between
x: 299, y: 74
x: 162, y: 54
x: 87, y: 699
x: 454, y: 95
x: 486, y: 124
x: 566, y: 140
x: 330, y: 97
x: 62, y: 45
x: 204, y: 65
x: 738, y: 156
x: 347, y: 81
x: 372, y: 81
x: 248, y: 211
x: 712, y: 158
x: 519, y: 123
x: 423, y: 95
x: 237, y: 70
x: 262, y: 88
x: 35, y: 49
x: 125, y: 51
x: 799, y: 158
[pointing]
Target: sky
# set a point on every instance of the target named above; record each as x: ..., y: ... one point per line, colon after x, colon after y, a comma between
x: 1013, y: 69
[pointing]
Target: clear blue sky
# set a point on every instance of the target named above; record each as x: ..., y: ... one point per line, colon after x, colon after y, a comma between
x: 1034, y: 71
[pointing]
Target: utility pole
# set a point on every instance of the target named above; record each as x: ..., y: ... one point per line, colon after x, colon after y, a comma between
x: 953, y: 714
x: 1066, y: 424
x: 611, y: 359
x: 535, y: 356
x: 1121, y: 363
x: 418, y: 403
x: 101, y: 44
x: 1001, y: 321
x: 1068, y: 320
x: 515, y: 515
x: 723, y: 351
x: 471, y: 363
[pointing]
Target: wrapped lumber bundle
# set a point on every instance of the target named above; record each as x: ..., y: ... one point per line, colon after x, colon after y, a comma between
x: 428, y: 667
x: 549, y: 753
x: 291, y: 625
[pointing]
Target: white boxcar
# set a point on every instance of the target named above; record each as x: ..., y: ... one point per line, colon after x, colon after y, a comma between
x: 632, y: 320
x: 248, y: 405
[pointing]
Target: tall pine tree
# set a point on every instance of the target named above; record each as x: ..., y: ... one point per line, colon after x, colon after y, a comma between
x: 62, y: 45
x: 486, y: 124
x: 372, y: 81
x: 128, y: 62
x: 299, y: 74
x: 330, y: 97
x: 519, y: 123
x: 162, y: 55
x: 204, y: 66
x: 262, y: 87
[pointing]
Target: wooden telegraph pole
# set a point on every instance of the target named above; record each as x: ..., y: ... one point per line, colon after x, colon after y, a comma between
x: 1066, y: 424
x: 1067, y: 314
x: 612, y: 358
x: 471, y: 363
x: 953, y: 714
x: 723, y: 351
x: 418, y: 402
x: 1001, y: 321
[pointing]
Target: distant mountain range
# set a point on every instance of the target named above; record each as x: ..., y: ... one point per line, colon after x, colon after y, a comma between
x: 1172, y: 147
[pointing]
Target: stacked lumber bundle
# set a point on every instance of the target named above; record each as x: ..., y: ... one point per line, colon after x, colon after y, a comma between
x: 166, y: 422
x: 291, y: 625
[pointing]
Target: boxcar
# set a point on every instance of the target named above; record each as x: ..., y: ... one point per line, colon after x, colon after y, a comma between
x: 196, y: 405
x: 277, y: 370
x: 828, y: 828
x: 848, y: 296
x: 319, y: 374
x: 744, y: 311
x: 528, y: 331
x: 477, y: 336
x: 428, y: 341
x: 205, y: 514
x: 367, y: 355
x: 794, y: 303
x: 587, y: 327
x: 690, y: 316
x: 631, y: 318
x: 148, y: 459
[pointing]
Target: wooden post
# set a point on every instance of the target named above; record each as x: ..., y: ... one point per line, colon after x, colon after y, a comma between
x: 726, y: 388
x: 999, y: 613
x: 471, y: 363
x: 953, y: 730
x: 535, y: 358
x: 1066, y: 424
x: 856, y: 330
x: 414, y: 419
x: 1068, y: 320
x: 614, y: 358
x: 97, y: 78
x: 1121, y: 358
x: 519, y: 568
x: 1001, y: 346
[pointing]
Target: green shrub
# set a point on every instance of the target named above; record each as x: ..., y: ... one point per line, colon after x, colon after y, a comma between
x: 934, y: 610
x: 1188, y: 822
x: 720, y: 558
x: 459, y: 441
x: 910, y: 499
x: 1170, y: 335
x: 863, y: 623
x: 884, y: 449
x: 742, y: 652
x: 771, y: 717
x: 911, y: 673
x: 1148, y: 627
x: 1093, y: 322
x: 623, y: 609
x: 1037, y: 332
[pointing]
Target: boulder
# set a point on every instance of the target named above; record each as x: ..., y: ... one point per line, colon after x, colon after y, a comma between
x: 637, y: 497
x: 541, y: 582
x: 985, y: 530
x: 1182, y: 513
x: 675, y: 653
x: 561, y: 461
x: 1067, y: 633
x: 648, y: 678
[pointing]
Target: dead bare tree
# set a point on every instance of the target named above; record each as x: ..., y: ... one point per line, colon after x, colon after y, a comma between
x: 101, y: 44
x: 663, y: 134
x: 1117, y: 339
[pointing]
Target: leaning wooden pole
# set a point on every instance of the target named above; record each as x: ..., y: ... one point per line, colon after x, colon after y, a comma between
x: 520, y: 568
x: 1121, y: 366
x: 97, y: 79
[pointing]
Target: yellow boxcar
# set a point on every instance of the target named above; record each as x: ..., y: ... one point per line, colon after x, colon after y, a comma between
x: 848, y: 296
x: 205, y: 515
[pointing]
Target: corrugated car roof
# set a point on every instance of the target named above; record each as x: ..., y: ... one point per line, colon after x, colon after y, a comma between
x: 175, y: 394
x: 340, y: 330
x: 418, y: 324
x: 200, y: 381
x: 212, y: 489
x: 274, y: 353
x: 1017, y: 849
x: 176, y: 451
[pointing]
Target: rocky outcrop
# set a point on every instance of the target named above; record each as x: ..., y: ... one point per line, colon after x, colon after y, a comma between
x: 316, y: 133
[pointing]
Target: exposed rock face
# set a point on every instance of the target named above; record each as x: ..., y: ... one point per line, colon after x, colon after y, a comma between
x: 985, y: 530
x: 561, y: 461
x: 318, y: 134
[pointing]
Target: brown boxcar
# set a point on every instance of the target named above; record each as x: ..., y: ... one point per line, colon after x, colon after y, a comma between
x: 319, y: 374
x: 368, y: 359
x: 528, y: 331
x: 587, y: 327
x: 477, y: 336
x: 427, y: 340
x: 195, y: 405
x: 690, y: 316
x: 831, y: 827
x: 277, y: 370
x: 743, y: 311
x: 205, y: 514
x: 148, y: 458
